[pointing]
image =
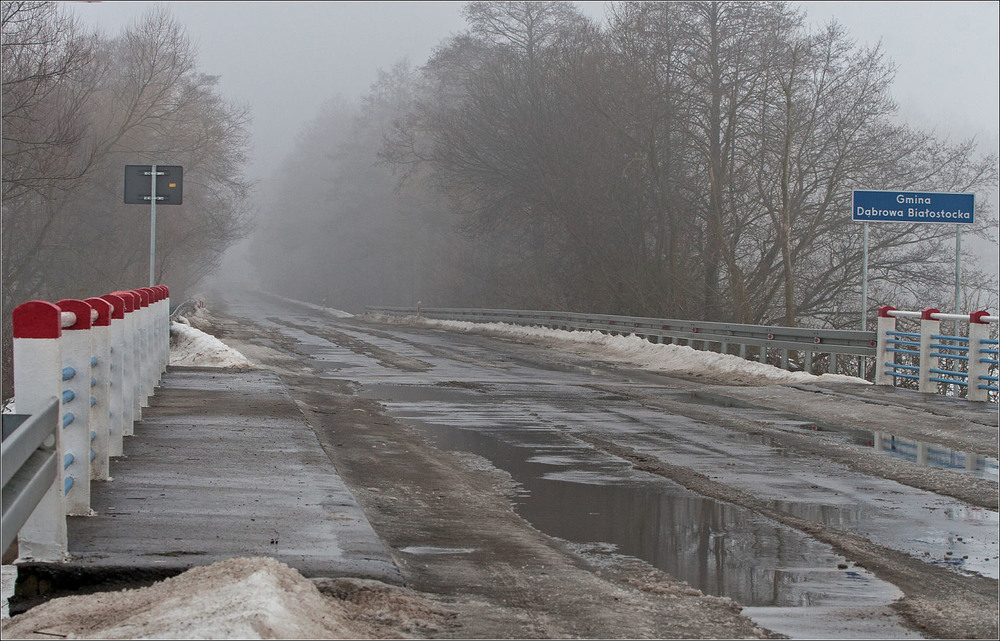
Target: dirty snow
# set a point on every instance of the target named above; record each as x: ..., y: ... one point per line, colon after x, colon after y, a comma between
x: 241, y: 598
x: 190, y: 346
x: 635, y: 351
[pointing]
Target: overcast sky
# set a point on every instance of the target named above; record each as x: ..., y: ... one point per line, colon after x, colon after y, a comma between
x: 287, y: 58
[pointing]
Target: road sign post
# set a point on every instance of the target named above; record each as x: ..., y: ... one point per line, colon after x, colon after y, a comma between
x: 153, y: 184
x: 913, y: 207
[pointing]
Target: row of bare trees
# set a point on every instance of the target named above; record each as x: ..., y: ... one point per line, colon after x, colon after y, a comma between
x: 687, y: 159
x: 77, y: 108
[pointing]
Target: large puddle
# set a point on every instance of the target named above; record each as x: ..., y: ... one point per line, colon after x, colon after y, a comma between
x: 606, y: 510
x: 719, y: 548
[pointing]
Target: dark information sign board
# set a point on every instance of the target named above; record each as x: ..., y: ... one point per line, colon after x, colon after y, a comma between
x: 912, y: 207
x: 139, y: 187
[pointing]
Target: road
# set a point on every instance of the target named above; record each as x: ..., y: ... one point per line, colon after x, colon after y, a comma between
x: 539, y: 491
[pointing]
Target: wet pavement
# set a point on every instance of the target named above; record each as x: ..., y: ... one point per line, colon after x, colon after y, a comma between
x: 221, y: 465
x: 527, y: 414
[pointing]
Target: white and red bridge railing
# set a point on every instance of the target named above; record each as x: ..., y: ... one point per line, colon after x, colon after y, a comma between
x: 83, y: 371
x: 936, y: 361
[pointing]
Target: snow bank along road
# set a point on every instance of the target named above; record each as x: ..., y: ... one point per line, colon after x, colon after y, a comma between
x: 547, y: 485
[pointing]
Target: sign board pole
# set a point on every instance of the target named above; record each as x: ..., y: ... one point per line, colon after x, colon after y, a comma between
x: 862, y: 364
x: 152, y: 228
x: 864, y: 281
x: 958, y: 268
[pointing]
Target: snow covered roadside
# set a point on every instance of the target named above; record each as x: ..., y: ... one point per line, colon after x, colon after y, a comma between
x: 336, y: 313
x: 635, y: 351
x: 192, y: 347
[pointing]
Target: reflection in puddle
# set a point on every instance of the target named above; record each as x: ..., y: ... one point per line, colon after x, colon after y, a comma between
x: 930, y: 454
x: 716, y: 547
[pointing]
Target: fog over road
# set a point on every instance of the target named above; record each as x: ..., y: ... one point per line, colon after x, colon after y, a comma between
x: 549, y: 493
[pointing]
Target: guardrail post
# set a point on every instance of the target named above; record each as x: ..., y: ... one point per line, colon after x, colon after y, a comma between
x: 100, y: 368
x: 37, y: 351
x: 142, y: 335
x: 163, y: 327
x: 119, y: 398
x: 928, y: 326
x: 77, y: 353
x: 132, y: 361
x: 886, y: 323
x: 979, y: 330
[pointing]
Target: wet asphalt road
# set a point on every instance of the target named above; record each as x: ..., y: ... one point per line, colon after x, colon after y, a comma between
x: 540, y: 414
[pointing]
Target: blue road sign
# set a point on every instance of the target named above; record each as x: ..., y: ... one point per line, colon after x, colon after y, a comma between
x: 912, y: 207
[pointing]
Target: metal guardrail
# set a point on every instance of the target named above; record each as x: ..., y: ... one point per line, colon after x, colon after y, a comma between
x: 759, y: 338
x: 28, y: 460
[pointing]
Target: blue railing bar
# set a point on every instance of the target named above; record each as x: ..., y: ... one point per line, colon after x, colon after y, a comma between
x: 67, y: 419
x: 947, y: 382
x: 68, y: 460
x: 911, y: 367
x: 948, y: 372
x: 989, y: 361
x: 93, y: 382
x: 68, y: 373
x: 985, y: 377
x: 895, y: 342
x: 93, y: 401
x: 68, y: 485
x: 990, y: 341
x: 93, y: 455
x: 910, y: 334
x: 903, y: 351
x: 939, y: 337
x: 68, y: 395
x: 989, y: 351
x: 93, y: 361
x: 951, y: 348
x: 953, y: 357
x: 93, y: 435
x: 989, y: 388
x: 908, y: 376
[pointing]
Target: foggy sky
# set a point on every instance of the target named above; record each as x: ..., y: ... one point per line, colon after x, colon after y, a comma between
x: 285, y: 59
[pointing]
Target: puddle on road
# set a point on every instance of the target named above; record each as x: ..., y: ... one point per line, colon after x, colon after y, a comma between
x: 929, y: 454
x: 718, y: 548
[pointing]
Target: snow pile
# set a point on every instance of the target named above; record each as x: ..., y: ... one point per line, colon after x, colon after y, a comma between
x: 240, y: 598
x: 336, y: 313
x: 258, y: 598
x: 192, y: 347
x: 633, y: 350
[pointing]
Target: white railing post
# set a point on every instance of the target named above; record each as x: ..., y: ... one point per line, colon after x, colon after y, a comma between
x: 131, y: 356
x: 145, y: 340
x: 886, y: 323
x: 119, y: 405
x: 76, y: 354
x: 979, y: 330
x: 37, y: 351
x: 928, y: 326
x: 100, y: 414
x: 166, y: 327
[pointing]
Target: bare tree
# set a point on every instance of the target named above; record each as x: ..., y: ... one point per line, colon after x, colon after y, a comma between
x: 139, y: 99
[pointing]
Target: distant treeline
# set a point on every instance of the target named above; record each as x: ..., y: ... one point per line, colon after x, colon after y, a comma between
x: 683, y: 159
